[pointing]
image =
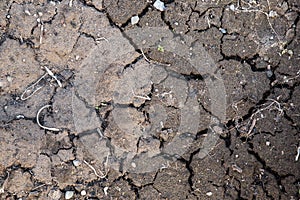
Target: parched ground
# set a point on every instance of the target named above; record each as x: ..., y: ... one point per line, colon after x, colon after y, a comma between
x: 120, y: 121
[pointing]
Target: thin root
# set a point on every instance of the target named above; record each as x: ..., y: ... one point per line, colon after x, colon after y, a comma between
x: 101, y: 38
x: 298, y: 154
x: 38, y: 121
x: 41, y: 34
x: 30, y: 88
x: 53, y: 76
x: 152, y: 61
x: 94, y: 170
x: 145, y: 56
x: 141, y: 97
x: 251, y: 9
x: 253, y: 119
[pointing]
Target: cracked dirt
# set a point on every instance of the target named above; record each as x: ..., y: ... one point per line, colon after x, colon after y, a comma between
x: 101, y: 153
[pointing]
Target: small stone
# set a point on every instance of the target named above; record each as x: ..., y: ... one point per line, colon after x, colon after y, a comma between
x: 159, y: 5
x: 54, y: 194
x: 209, y: 194
x: 231, y: 7
x: 290, y: 52
x: 133, y: 165
x: 105, y: 191
x: 223, y: 30
x: 268, y: 143
x: 269, y: 73
x: 27, y: 12
x: 135, y: 20
x: 9, y: 79
x: 266, y: 58
x: 76, y: 163
x: 69, y: 194
x: 273, y: 13
x: 83, y: 193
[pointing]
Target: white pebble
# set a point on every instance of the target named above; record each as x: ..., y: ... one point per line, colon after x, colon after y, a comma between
x: 76, y: 163
x: 83, y: 193
x: 159, y: 5
x: 9, y: 79
x: 231, y: 7
x: 135, y: 20
x: 105, y: 191
x: 290, y: 52
x: 273, y: 13
x: 52, y: 3
x: 27, y: 12
x: 209, y: 194
x: 223, y: 30
x: 69, y: 194
x: 55, y: 194
x: 268, y: 143
x: 133, y: 165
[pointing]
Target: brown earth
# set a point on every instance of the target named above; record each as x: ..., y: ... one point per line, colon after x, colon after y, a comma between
x: 119, y: 116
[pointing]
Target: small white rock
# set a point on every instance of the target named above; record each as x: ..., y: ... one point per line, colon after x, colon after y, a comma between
x: 105, y: 191
x: 159, y: 5
x: 83, y: 193
x: 9, y: 79
x: 273, y: 13
x: 268, y: 143
x: 27, y: 12
x: 135, y: 20
x: 54, y: 194
x: 231, y: 7
x: 209, y: 194
x: 290, y: 52
x: 69, y: 194
x: 223, y: 30
x: 133, y: 165
x: 76, y: 163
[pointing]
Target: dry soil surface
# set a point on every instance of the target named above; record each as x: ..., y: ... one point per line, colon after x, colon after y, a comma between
x: 119, y: 112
